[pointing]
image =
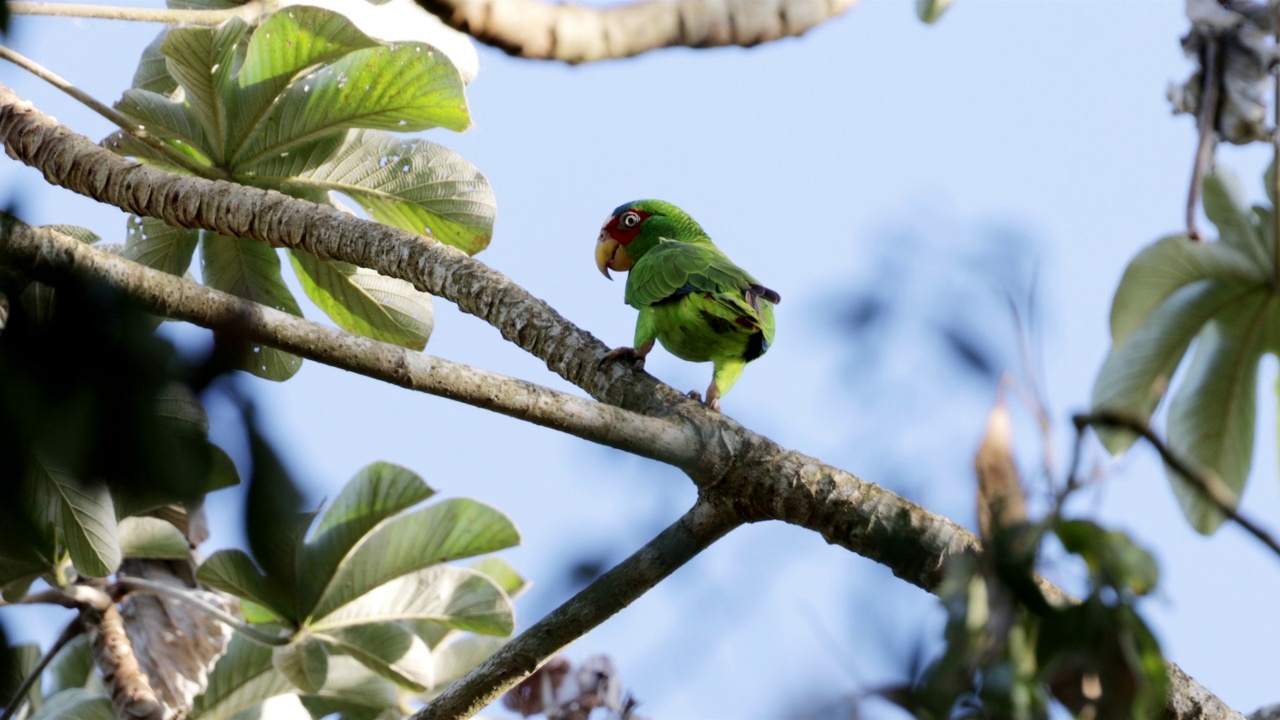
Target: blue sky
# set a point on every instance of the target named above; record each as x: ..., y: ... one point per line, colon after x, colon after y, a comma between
x: 810, y: 161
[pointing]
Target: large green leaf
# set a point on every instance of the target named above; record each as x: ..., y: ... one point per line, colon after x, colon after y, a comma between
x: 1136, y: 374
x: 1225, y: 205
x: 1211, y: 416
x: 286, y: 43
x: 353, y: 690
x: 456, y: 597
x: 439, y: 533
x: 364, y: 302
x: 389, y: 650
x: 305, y: 661
x: 1170, y: 264
x: 457, y: 658
x: 405, y: 87
x: 203, y: 60
x: 377, y: 492
x: 415, y: 185
x: 153, y: 72
x: 251, y: 270
x: 75, y: 704
x: 242, y: 679
x: 149, y: 537
x: 160, y: 246
x: 436, y: 636
x: 83, y: 514
x: 163, y: 118
x: 234, y: 571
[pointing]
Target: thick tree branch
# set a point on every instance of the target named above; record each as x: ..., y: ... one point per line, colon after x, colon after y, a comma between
x: 572, y: 33
x: 53, y: 258
x: 757, y: 478
x: 694, y: 532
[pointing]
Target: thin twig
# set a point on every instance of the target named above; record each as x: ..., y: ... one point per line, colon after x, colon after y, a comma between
x: 116, y: 118
x: 169, y: 16
x: 1205, y: 122
x: 159, y: 588
x: 672, y: 548
x: 1211, y: 488
x: 73, y: 630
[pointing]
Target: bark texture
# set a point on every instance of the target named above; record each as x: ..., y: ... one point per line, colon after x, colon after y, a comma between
x: 575, y: 33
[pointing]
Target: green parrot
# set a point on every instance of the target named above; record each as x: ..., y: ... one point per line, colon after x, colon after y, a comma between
x: 690, y: 295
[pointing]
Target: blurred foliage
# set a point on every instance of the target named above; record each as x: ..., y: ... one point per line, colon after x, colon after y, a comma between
x: 1221, y: 295
x: 98, y: 422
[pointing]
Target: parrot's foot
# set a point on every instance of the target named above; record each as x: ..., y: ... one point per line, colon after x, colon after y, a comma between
x: 628, y: 354
x: 633, y: 355
x: 713, y: 396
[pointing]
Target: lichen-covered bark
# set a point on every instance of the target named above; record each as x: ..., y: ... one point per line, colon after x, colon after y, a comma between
x: 572, y: 33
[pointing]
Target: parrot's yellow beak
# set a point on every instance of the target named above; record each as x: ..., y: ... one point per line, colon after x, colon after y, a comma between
x: 610, y: 255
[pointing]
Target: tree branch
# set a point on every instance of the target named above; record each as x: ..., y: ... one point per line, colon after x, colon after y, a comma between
x: 171, y: 16
x: 756, y: 477
x: 1210, y: 488
x: 572, y: 33
x: 53, y: 258
x: 694, y: 532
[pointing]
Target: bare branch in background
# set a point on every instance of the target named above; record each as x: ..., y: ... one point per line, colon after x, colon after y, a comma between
x: 572, y: 33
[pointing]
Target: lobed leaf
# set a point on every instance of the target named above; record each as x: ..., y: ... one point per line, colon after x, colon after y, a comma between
x: 405, y: 87
x: 243, y: 678
x: 450, y: 530
x: 160, y: 246
x: 149, y: 537
x: 1211, y: 416
x: 1170, y: 264
x: 251, y: 270
x: 415, y: 185
x: 455, y: 597
x: 305, y: 661
x: 1136, y: 373
x: 75, y: 704
x: 364, y: 302
x: 389, y: 650
x: 82, y: 513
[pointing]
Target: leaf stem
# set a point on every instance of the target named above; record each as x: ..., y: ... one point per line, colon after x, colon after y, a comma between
x: 1210, y: 487
x: 170, y: 16
x: 158, y: 588
x: 112, y: 115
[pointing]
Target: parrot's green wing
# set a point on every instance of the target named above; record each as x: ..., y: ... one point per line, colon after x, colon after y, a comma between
x: 675, y: 269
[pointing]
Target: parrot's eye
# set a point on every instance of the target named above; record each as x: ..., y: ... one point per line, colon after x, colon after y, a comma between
x: 629, y: 219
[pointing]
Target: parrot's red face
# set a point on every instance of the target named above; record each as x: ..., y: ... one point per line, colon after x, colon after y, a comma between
x: 619, y: 230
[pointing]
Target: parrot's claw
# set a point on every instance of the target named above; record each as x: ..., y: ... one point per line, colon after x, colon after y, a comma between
x: 629, y: 354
